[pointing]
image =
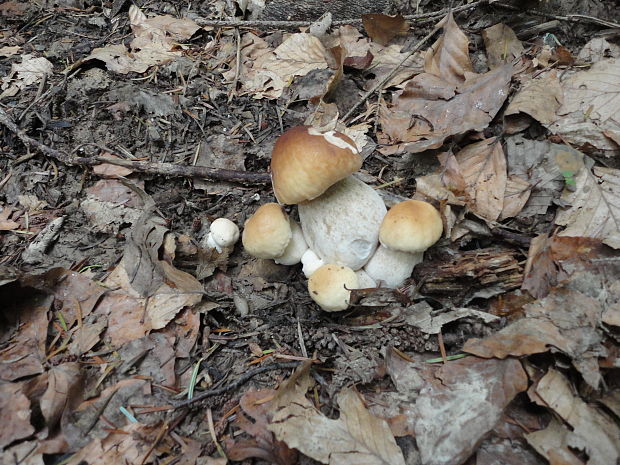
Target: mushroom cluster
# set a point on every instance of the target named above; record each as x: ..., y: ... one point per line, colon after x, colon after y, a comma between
x: 346, y: 238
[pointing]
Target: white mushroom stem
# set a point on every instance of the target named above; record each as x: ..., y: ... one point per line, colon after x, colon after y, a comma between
x: 311, y: 262
x: 295, y: 248
x: 342, y: 225
x: 222, y: 233
x: 364, y: 280
x: 391, y: 268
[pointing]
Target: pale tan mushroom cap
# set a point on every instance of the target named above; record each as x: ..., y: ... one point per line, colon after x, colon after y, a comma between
x: 330, y: 286
x: 306, y: 162
x: 411, y: 226
x: 267, y: 233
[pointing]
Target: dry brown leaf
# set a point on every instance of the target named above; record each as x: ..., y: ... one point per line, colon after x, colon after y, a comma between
x: 594, y: 206
x: 517, y: 194
x: 429, y: 110
x: 23, y: 453
x: 598, y: 49
x: 15, y: 414
x: 383, y: 28
x: 7, y: 224
x: 385, y: 59
x: 591, y: 431
x: 86, y: 336
x: 30, y: 71
x: 483, y: 166
x: 154, y: 43
x: 552, y: 444
x: 540, y: 98
x: 64, y: 387
x: 454, y: 413
x: 590, y: 103
x: 298, y: 55
x: 448, y: 57
x: 356, y: 47
x: 356, y: 437
x: 551, y: 323
x: 502, y: 45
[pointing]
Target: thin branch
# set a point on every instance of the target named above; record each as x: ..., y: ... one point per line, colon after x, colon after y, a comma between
x: 165, y: 169
x: 238, y: 382
x: 392, y: 73
x: 567, y: 18
x: 419, y: 18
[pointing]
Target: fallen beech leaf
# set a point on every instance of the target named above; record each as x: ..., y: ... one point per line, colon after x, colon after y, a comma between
x: 428, y: 111
x: 540, y: 98
x: 383, y: 28
x: 502, y: 45
x: 298, y: 55
x: 590, y: 103
x: 454, y: 413
x: 15, y: 413
x: 356, y: 437
x: 483, y: 166
x: 448, y: 57
x: 385, y: 59
x: 356, y: 47
x: 595, y: 206
x: 64, y: 387
x: 598, y: 49
x: 552, y: 444
x: 516, y: 196
x: 5, y: 223
x: 30, y: 71
x: 591, y: 431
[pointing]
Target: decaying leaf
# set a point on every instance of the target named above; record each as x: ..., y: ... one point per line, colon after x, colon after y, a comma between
x: 421, y: 316
x: 383, y: 28
x: 385, y: 59
x: 454, y: 413
x: 590, y: 430
x: 590, y: 102
x: 63, y: 390
x: 30, y: 71
x: 594, y: 206
x: 15, y: 412
x: 430, y: 110
x: 356, y: 437
x: 448, y: 57
x: 502, y: 45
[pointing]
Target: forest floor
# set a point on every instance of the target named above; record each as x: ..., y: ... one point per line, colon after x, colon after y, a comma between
x: 125, y: 131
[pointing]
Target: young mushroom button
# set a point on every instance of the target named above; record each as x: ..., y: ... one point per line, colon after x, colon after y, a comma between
x: 222, y: 233
x: 330, y: 287
x: 408, y: 229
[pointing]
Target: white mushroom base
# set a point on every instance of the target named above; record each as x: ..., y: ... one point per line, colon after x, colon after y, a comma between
x: 390, y: 268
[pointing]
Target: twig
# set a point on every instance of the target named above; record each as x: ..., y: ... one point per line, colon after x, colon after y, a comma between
x: 567, y: 18
x: 392, y: 73
x: 423, y: 17
x: 238, y: 382
x: 165, y: 169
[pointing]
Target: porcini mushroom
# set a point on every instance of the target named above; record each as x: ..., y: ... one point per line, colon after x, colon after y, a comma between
x: 222, y: 233
x: 330, y: 287
x: 339, y: 214
x: 271, y: 234
x: 408, y: 229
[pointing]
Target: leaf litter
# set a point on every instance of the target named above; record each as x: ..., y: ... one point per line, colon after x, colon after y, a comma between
x: 500, y: 349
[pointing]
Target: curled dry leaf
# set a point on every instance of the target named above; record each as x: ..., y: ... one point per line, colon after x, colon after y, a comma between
x: 385, y: 59
x: 590, y: 430
x: 383, y: 28
x: 448, y: 57
x: 594, y: 206
x: 430, y: 110
x: 591, y: 100
x: 30, y: 71
x: 502, y: 45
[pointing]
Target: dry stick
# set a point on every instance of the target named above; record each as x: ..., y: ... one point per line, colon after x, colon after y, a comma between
x: 567, y: 18
x: 238, y: 382
x: 281, y: 24
x: 166, y: 169
x: 385, y: 80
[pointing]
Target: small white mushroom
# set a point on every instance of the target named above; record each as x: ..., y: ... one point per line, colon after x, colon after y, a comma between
x: 330, y: 287
x: 222, y: 233
x: 311, y: 262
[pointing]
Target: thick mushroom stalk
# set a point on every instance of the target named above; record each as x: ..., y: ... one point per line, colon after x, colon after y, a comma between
x: 342, y: 225
x: 408, y: 229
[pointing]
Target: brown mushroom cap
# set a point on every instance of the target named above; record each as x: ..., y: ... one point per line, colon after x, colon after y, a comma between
x: 330, y: 286
x: 411, y: 226
x: 306, y: 162
x: 267, y: 233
